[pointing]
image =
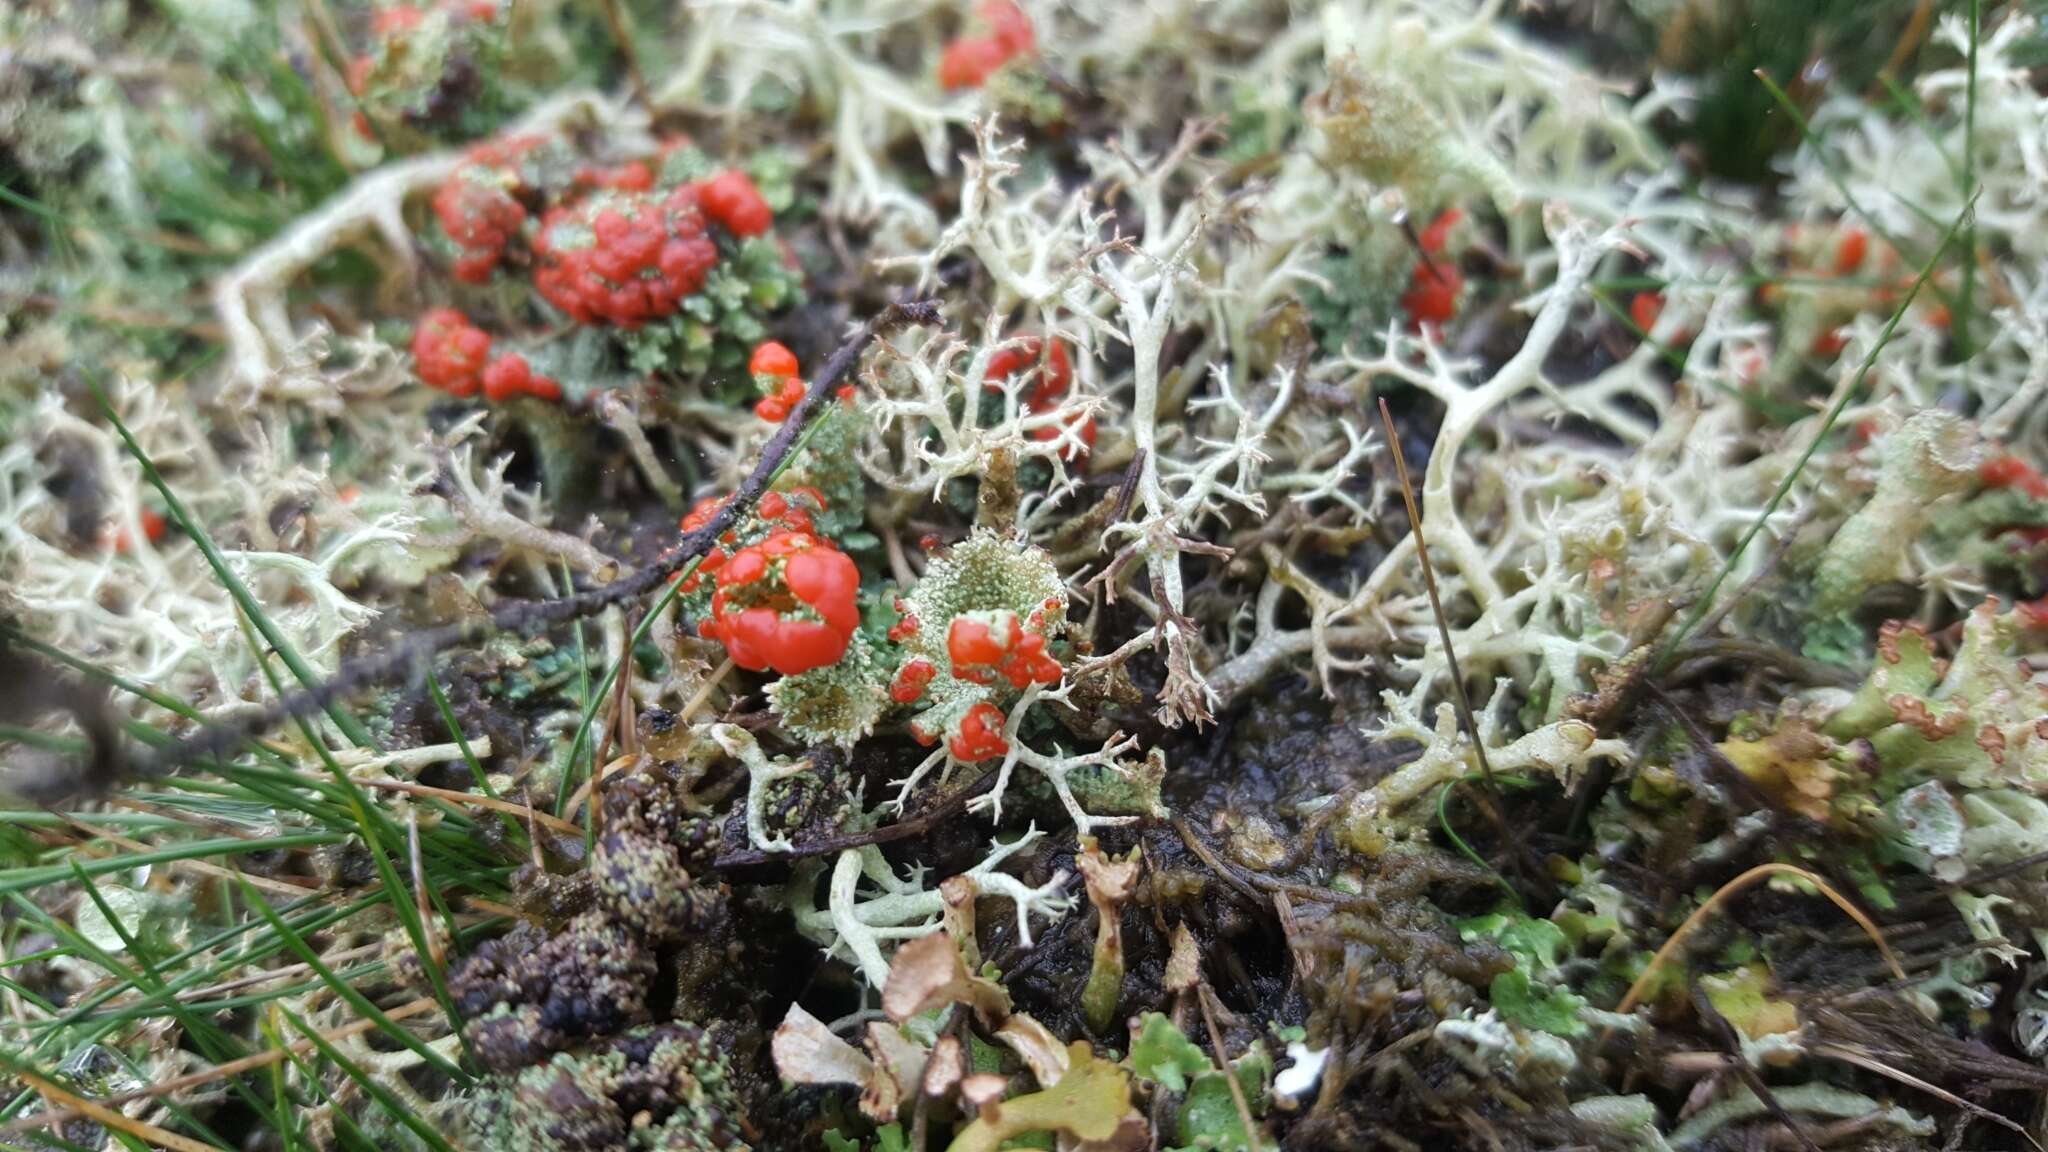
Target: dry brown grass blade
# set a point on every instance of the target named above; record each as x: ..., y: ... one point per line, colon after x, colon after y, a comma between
x: 475, y: 800
x: 613, y: 767
x: 106, y: 1117
x: 1736, y: 887
x: 1869, y: 1063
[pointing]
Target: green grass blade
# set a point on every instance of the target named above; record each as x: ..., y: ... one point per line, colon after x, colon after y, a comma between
x: 1966, y: 296
x: 1827, y: 424
x: 23, y: 879
x: 347, y: 992
x: 400, y: 897
x: 251, y: 608
x: 382, y: 1095
x: 1841, y: 183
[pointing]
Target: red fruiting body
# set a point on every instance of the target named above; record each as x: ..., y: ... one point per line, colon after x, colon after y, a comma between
x: 980, y: 651
x: 980, y: 735
x: 154, y: 527
x: 1645, y: 309
x: 771, y: 358
x: 505, y: 151
x: 1433, y: 291
x: 2012, y: 472
x: 1438, y: 235
x: 969, y: 61
x: 786, y: 604
x: 400, y: 19
x: 775, y: 509
x: 777, y: 407
x: 1849, y: 253
x: 1056, y: 376
x: 903, y: 629
x: 623, y: 258
x: 477, y: 210
x: 510, y: 375
x: 1830, y: 343
x: 911, y: 680
x: 1434, y: 286
x: 701, y: 512
x: 732, y: 199
x: 1012, y: 28
x: 449, y: 352
x: 633, y: 176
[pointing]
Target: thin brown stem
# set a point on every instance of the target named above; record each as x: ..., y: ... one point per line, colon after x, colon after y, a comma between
x: 1491, y: 802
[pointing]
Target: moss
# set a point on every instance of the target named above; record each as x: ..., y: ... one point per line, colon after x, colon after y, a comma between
x: 661, y: 1088
x: 529, y: 993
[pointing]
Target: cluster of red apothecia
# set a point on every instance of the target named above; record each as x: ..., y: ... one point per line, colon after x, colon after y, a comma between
x: 479, y: 206
x: 2009, y: 471
x: 980, y: 735
x: 786, y: 603
x: 981, y: 648
x: 613, y: 249
x: 627, y: 256
x: 454, y: 356
x: 969, y: 61
x: 775, y: 365
x: 1435, y: 285
x: 1055, y: 379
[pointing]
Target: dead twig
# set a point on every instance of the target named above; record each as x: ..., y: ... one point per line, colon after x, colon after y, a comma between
x: 404, y: 654
x: 901, y: 829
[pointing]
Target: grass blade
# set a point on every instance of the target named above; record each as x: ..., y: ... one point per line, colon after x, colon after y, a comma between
x: 1827, y: 424
x: 251, y: 608
x: 382, y: 1095
x: 348, y: 993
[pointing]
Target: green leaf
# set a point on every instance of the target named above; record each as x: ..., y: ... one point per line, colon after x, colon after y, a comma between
x: 1535, y: 944
x: 1208, y: 1117
x: 1536, y: 1006
x: 1089, y: 1104
x: 1164, y: 1056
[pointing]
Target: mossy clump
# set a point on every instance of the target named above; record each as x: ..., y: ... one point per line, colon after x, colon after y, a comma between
x: 658, y: 1088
